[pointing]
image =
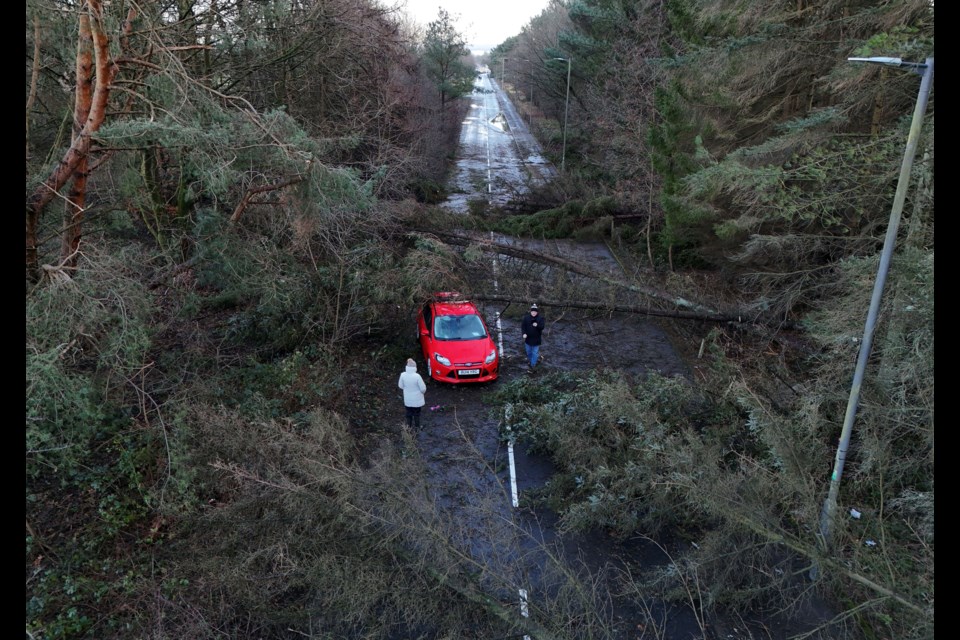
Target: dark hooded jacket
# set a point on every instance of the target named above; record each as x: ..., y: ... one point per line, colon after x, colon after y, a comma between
x: 532, y: 327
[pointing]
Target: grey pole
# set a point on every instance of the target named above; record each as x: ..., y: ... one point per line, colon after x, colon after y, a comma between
x: 566, y: 110
x: 926, y: 70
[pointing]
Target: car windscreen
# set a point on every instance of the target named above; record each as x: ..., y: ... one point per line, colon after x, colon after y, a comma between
x: 466, y: 327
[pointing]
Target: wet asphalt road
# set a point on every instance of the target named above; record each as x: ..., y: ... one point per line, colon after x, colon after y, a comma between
x: 497, y: 157
x: 480, y: 479
x: 468, y: 467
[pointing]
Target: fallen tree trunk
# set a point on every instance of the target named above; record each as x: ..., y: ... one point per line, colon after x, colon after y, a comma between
x: 628, y: 308
x: 692, y: 310
x: 569, y: 265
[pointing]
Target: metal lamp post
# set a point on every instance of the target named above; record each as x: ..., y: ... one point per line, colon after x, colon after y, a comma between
x: 926, y: 71
x: 530, y: 110
x: 566, y: 110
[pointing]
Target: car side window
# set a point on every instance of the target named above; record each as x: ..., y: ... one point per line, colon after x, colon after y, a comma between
x: 427, y: 320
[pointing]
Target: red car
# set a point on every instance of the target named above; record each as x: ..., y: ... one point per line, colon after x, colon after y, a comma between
x: 455, y: 341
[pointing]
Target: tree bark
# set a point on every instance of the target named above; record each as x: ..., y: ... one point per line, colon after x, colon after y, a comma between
x: 692, y: 310
x: 628, y: 308
x: 82, y: 102
x: 80, y: 146
x: 34, y: 78
x: 245, y: 201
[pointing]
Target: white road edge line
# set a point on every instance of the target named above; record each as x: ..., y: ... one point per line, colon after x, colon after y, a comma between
x: 513, y: 476
x: 507, y: 412
x: 496, y: 289
x: 524, y: 610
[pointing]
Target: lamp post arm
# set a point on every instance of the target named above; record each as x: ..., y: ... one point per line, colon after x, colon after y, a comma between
x: 917, y: 67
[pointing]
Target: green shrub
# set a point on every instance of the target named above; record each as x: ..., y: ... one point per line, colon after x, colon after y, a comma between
x: 64, y: 413
x: 85, y: 339
x: 428, y: 191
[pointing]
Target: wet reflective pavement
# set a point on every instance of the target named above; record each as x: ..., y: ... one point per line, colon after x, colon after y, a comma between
x: 497, y: 157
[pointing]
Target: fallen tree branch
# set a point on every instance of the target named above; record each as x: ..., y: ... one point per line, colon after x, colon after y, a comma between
x: 569, y: 265
x: 246, y: 200
x: 627, y: 308
x: 694, y: 311
x: 811, y: 552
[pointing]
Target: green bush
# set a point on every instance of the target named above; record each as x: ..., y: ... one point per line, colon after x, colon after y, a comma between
x: 64, y: 413
x: 85, y: 339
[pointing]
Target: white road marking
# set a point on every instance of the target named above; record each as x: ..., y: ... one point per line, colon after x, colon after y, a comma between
x: 496, y: 289
x: 524, y: 610
x: 507, y: 413
x: 513, y: 476
x: 487, y: 132
x: 508, y: 409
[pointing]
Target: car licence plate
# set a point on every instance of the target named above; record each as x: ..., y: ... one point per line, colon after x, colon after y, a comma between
x: 469, y: 372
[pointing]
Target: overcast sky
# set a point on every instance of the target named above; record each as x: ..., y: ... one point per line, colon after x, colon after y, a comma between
x: 485, y: 23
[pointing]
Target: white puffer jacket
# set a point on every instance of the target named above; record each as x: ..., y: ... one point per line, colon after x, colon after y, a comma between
x: 413, y: 387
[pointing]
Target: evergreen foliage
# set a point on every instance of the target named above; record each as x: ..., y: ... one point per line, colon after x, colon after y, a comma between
x: 86, y: 338
x: 444, y: 54
x: 247, y: 251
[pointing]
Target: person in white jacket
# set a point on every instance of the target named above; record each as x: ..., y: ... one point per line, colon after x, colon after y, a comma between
x: 413, y: 390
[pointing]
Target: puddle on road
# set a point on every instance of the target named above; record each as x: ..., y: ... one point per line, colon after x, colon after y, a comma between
x: 499, y: 122
x: 493, y: 145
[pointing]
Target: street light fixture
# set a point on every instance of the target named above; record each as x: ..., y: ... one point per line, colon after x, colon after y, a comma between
x: 926, y: 71
x: 566, y: 110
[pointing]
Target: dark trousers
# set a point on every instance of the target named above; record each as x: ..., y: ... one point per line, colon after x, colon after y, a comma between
x: 413, y: 417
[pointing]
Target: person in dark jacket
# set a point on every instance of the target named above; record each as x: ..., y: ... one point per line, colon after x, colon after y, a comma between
x: 532, y: 327
x: 413, y: 390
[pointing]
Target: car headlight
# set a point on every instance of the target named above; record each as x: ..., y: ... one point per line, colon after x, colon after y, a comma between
x: 491, y: 357
x: 444, y: 361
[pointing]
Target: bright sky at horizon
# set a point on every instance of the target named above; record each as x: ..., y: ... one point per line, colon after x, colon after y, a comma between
x: 484, y: 23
